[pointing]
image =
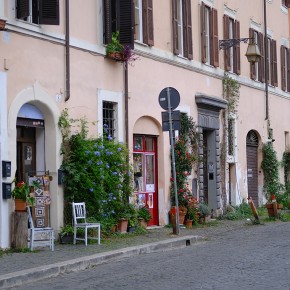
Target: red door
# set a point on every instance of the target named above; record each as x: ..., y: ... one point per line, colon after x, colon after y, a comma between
x: 145, y: 174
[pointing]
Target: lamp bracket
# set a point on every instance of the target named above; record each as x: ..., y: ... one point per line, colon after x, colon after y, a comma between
x: 228, y: 43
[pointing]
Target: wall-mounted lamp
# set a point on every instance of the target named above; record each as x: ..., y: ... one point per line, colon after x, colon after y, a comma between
x: 253, y: 52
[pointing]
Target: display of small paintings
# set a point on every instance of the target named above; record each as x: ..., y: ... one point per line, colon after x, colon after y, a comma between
x: 150, y: 200
x: 139, y: 199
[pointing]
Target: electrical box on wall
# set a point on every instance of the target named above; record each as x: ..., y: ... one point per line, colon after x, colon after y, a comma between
x: 6, y: 190
x: 6, y: 168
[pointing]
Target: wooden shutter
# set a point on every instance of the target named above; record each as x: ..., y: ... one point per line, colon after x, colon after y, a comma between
x: 288, y: 70
x: 49, y: 12
x: 147, y: 15
x: 253, y: 73
x: 214, y: 38
x: 274, y: 77
x: 175, y: 27
x: 283, y: 67
x: 125, y: 22
x: 237, y: 57
x: 261, y: 63
x: 22, y: 9
x: 226, y: 36
x: 203, y: 33
x: 187, y: 29
x: 107, y: 4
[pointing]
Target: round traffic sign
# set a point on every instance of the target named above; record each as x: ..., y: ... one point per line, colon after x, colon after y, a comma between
x: 171, y: 93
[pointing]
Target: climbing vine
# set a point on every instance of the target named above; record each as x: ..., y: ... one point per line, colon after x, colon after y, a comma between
x: 231, y: 93
x: 286, y: 164
x: 186, y: 159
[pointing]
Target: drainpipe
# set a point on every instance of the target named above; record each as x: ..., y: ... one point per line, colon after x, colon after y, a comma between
x: 67, y: 52
x: 126, y: 104
x: 266, y: 61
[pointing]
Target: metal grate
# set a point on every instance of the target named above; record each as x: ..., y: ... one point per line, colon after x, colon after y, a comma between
x: 109, y: 118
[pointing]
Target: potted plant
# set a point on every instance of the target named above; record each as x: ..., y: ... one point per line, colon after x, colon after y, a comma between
x: 118, y: 52
x: 144, y: 216
x: 21, y: 195
x: 192, y: 215
x: 66, y: 234
x: 204, y: 212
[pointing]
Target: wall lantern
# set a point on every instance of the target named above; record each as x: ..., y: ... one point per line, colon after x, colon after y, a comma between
x: 253, y: 53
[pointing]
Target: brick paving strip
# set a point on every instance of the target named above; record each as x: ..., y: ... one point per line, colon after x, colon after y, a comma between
x: 19, y: 268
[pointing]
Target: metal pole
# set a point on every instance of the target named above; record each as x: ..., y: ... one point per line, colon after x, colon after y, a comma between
x: 266, y: 61
x: 173, y: 163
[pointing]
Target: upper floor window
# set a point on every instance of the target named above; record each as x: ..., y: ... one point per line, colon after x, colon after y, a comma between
x: 118, y: 16
x: 258, y: 68
x: 182, y: 29
x: 38, y: 11
x: 209, y: 36
x: 143, y: 31
x: 232, y: 55
x: 285, y: 68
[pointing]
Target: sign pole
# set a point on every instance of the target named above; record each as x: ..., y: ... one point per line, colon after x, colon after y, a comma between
x: 176, y: 229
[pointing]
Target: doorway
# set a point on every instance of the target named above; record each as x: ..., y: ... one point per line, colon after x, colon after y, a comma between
x: 145, y: 174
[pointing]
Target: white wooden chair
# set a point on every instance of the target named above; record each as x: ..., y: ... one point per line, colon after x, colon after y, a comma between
x: 39, y: 237
x: 80, y: 221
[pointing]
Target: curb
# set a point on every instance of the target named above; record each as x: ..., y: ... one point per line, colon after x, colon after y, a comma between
x: 53, y: 270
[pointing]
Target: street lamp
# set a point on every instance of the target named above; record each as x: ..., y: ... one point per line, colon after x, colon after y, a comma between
x: 253, y: 53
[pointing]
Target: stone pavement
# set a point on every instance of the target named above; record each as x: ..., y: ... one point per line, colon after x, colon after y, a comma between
x: 19, y: 268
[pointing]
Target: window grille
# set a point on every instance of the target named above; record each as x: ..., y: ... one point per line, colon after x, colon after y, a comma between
x: 109, y: 118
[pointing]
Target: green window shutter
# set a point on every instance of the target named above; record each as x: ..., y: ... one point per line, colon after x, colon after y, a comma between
x: 49, y: 12
x: 22, y: 9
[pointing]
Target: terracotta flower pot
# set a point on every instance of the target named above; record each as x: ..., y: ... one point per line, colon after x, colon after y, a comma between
x: 122, y: 225
x: 20, y: 205
x: 188, y: 223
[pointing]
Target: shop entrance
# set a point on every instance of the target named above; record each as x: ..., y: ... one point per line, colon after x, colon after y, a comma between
x: 145, y: 174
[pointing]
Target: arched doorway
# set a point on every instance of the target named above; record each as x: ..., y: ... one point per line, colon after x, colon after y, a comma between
x: 252, y: 144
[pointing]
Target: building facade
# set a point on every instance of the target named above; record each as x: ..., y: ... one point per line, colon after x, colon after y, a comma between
x: 53, y: 56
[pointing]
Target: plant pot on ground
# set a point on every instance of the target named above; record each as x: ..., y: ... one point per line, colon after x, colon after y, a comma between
x: 66, y: 234
x: 144, y: 216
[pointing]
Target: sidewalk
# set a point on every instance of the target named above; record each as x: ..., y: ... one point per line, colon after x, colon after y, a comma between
x: 19, y: 268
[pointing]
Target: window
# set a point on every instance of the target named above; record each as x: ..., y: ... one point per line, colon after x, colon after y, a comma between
x: 209, y: 36
x: 118, y: 16
x: 258, y: 69
x: 144, y: 21
x: 232, y: 55
x: 110, y: 112
x: 38, y: 11
x: 285, y: 68
x: 109, y: 118
x: 182, y: 29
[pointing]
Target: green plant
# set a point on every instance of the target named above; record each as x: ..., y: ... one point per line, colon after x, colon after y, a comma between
x: 67, y: 230
x: 204, y: 210
x: 231, y: 92
x: 21, y: 191
x: 96, y: 171
x: 114, y: 45
x: 144, y: 213
x: 192, y: 214
x: 186, y: 158
x: 285, y: 164
x: 270, y: 166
